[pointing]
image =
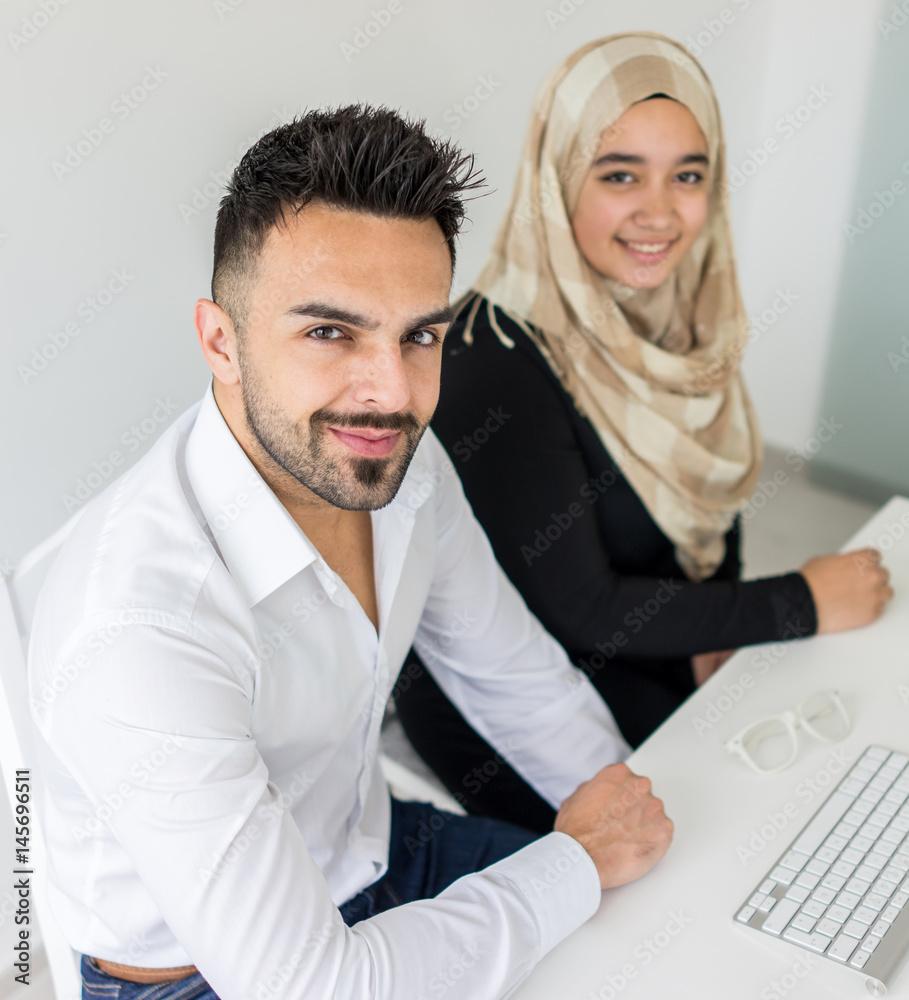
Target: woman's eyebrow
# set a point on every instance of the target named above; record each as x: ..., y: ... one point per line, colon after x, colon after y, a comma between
x: 640, y: 160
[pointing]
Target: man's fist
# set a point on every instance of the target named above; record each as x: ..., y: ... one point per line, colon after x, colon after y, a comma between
x: 620, y: 824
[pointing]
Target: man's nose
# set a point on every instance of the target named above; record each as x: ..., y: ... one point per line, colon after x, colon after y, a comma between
x: 382, y: 379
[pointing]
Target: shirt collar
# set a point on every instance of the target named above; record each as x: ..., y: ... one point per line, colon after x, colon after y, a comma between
x: 260, y: 543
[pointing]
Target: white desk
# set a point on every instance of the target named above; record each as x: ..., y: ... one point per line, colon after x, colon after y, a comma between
x: 719, y: 805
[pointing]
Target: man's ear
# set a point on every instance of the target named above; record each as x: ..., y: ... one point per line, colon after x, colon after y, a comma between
x: 218, y: 341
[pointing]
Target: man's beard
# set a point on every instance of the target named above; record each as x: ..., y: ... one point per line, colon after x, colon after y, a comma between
x: 351, y: 484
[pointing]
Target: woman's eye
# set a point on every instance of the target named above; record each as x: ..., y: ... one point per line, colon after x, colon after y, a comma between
x: 326, y: 333
x: 423, y: 338
x: 618, y: 177
x: 690, y: 177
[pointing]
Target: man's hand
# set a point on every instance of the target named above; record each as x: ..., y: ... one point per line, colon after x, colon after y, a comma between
x: 616, y: 819
x: 849, y: 590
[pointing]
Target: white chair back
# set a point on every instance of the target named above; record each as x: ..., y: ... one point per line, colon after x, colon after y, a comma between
x: 18, y: 596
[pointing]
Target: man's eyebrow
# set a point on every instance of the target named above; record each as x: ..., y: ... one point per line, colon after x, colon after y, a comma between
x: 639, y: 160
x: 328, y: 311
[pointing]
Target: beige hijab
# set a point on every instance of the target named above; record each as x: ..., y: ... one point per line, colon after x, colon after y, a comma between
x: 655, y: 371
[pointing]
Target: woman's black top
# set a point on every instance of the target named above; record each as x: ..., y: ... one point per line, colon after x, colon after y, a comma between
x: 589, y: 560
x: 569, y: 530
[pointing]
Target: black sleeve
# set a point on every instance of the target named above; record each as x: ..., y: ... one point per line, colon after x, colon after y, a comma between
x: 506, y: 423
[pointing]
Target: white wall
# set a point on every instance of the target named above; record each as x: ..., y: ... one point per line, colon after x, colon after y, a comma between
x: 213, y: 74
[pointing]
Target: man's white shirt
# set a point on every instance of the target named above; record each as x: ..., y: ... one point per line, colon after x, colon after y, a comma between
x: 209, y: 696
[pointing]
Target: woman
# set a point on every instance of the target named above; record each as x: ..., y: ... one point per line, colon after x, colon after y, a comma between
x: 592, y: 406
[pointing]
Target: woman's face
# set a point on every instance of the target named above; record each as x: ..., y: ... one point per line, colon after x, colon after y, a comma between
x: 645, y: 199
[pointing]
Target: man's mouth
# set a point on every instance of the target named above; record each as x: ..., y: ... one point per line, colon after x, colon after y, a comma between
x: 367, y: 442
x: 648, y: 251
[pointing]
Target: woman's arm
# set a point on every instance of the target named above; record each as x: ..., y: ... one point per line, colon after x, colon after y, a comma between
x: 506, y: 424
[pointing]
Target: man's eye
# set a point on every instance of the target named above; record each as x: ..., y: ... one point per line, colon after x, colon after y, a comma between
x: 423, y: 338
x: 326, y: 333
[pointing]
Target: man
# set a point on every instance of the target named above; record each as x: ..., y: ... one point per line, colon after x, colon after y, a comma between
x: 216, y: 644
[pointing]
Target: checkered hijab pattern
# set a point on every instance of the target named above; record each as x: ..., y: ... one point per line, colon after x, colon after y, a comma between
x: 654, y: 370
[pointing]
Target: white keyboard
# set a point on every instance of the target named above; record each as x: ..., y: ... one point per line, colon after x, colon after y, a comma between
x: 841, y: 888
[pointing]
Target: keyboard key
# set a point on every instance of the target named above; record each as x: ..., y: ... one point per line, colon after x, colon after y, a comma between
x: 795, y: 860
x: 890, y: 914
x: 828, y: 854
x: 829, y: 928
x: 852, y: 787
x: 876, y: 860
x: 802, y: 922
x: 892, y: 874
x: 745, y: 914
x: 857, y: 885
x: 870, y: 943
x: 885, y: 847
x: 879, y: 819
x: 767, y: 886
x: 799, y: 893
x: 890, y: 835
x: 785, y: 876
x: 859, y: 959
x: 834, y: 882
x: 807, y: 880
x: 883, y: 888
x: 817, y: 867
x: 813, y: 942
x: 842, y: 948
x: 862, y: 808
x: 900, y: 861
x: 898, y: 760
x: 843, y: 869
x: 875, y: 902
x: 865, y: 916
x: 860, y: 843
x: 846, y: 830
x: 814, y: 833
x: 767, y: 904
x: 852, y: 857
x: 814, y: 908
x: 882, y: 782
x: 839, y: 913
x: 848, y: 899
x: 782, y: 913
x: 880, y: 928
x: 870, y: 795
x: 879, y: 754
x: 757, y: 899
x: 899, y: 899
x: 871, y: 831
x: 900, y: 823
x: 887, y: 808
x: 835, y: 843
x: 823, y: 895
x: 855, y: 929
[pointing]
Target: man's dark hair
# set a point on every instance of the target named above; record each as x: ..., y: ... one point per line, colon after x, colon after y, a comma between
x: 357, y: 157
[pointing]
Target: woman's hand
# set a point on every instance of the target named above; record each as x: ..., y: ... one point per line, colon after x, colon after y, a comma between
x: 705, y: 664
x: 849, y: 590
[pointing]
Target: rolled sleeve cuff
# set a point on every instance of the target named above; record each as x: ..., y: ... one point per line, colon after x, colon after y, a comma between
x: 560, y: 882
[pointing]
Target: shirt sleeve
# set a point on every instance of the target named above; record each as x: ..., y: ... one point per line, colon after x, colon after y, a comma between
x: 227, y: 867
x: 511, y: 680
x: 507, y: 426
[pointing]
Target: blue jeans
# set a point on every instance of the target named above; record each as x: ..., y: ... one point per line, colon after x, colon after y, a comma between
x: 429, y: 850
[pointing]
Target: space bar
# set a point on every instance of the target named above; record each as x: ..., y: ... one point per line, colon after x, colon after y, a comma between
x: 817, y: 830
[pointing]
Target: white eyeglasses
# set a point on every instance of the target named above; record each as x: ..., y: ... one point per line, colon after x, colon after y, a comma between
x: 770, y: 745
